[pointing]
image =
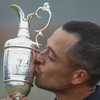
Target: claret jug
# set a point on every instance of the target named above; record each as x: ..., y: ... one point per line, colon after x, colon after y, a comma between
x: 19, y: 55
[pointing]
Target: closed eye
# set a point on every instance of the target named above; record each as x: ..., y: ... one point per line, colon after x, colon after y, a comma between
x: 51, y: 58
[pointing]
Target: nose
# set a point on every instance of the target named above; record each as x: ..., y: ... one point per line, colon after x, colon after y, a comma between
x: 40, y: 59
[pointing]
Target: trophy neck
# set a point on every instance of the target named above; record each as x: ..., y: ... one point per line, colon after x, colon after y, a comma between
x: 23, y: 32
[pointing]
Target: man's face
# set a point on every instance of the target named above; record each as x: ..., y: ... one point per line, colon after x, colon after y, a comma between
x: 53, y: 71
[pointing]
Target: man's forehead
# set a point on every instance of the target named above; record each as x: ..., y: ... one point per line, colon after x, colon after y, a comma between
x: 62, y: 39
x: 63, y: 35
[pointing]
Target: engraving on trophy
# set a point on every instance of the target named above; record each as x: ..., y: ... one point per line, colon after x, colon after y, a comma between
x: 18, y: 67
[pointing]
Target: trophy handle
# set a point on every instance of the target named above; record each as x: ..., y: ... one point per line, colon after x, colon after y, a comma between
x: 23, y: 22
x: 46, y: 8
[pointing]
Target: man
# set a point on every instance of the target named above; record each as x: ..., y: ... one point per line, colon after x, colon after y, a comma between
x: 70, y: 64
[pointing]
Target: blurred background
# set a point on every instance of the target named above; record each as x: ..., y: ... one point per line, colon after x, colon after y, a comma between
x: 62, y: 12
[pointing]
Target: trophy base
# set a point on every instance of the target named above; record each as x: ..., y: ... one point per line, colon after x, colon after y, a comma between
x: 18, y: 89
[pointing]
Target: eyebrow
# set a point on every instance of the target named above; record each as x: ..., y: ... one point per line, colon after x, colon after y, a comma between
x: 55, y: 55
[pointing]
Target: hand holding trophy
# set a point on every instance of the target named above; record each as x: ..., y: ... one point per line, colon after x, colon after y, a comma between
x: 19, y: 55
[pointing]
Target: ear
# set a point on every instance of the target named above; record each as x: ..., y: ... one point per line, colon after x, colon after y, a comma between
x: 79, y: 76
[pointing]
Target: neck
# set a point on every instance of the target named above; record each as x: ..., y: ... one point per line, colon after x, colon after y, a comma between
x: 74, y: 93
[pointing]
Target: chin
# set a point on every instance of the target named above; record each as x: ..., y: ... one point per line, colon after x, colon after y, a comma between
x: 39, y: 84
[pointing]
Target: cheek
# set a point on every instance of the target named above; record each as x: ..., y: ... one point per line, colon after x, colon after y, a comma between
x: 54, y: 71
x: 55, y: 77
x: 48, y: 69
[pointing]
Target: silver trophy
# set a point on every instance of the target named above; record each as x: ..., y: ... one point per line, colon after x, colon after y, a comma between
x: 19, y: 55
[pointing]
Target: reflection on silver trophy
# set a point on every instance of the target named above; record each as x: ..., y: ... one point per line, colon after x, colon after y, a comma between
x: 19, y: 55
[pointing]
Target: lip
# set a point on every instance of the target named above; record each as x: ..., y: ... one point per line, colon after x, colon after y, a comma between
x: 35, y: 70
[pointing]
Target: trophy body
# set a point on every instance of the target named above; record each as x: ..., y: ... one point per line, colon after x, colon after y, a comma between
x: 20, y: 54
x: 17, y: 79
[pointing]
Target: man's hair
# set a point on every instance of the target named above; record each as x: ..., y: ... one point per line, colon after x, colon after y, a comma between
x: 86, y: 52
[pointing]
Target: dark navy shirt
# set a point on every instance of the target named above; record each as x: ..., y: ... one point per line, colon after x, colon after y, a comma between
x: 93, y: 96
